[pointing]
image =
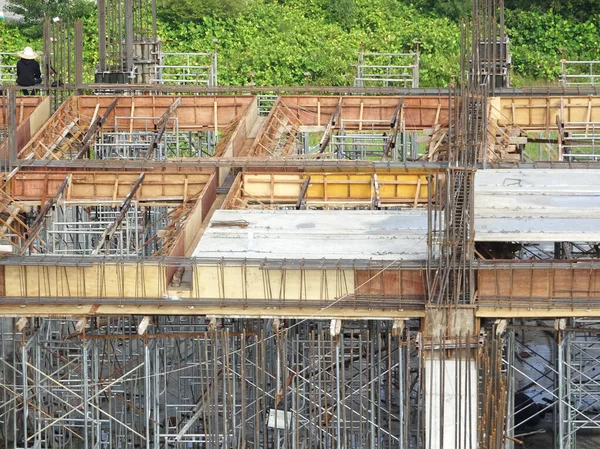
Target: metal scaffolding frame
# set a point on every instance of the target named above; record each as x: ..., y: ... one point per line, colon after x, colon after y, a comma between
x: 76, y: 230
x: 111, y: 383
x: 388, y: 69
x: 579, y: 359
x: 371, y: 145
x: 186, y: 69
x: 579, y: 141
x: 556, y: 367
x: 579, y: 73
x: 8, y: 68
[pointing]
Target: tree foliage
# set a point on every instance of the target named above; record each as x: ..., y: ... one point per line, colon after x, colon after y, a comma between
x: 343, y: 12
x: 193, y: 10
x: 280, y: 40
x: 570, y: 9
x: 34, y: 12
x: 452, y: 9
x: 540, y: 40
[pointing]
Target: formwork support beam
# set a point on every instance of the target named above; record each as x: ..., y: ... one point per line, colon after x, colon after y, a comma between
x: 37, y: 226
x: 160, y: 127
x: 330, y: 127
x: 395, y: 126
x: 110, y: 230
x: 93, y: 129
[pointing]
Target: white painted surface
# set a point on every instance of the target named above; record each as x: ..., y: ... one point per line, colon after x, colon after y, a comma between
x: 537, y: 205
x: 458, y: 418
x: 309, y: 234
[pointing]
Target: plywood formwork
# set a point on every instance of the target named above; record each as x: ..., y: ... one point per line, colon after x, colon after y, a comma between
x: 358, y: 113
x: 66, y: 133
x: 78, y: 212
x: 548, y: 289
x: 159, y: 186
x: 255, y: 289
x: 25, y: 107
x: 32, y: 113
x: 195, y: 113
x: 332, y: 190
x: 540, y: 113
x: 293, y: 115
x: 537, y: 205
x: 252, y: 287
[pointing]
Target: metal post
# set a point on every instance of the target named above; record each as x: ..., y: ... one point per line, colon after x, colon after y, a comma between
x: 561, y: 392
x: 78, y: 54
x: 102, y: 36
x: 148, y: 407
x: 47, y: 54
x: 338, y: 386
x: 12, y: 127
x: 214, y: 69
x: 510, y: 376
x: 128, y: 56
x: 85, y: 394
x: 24, y: 347
x: 154, y: 35
x: 372, y: 388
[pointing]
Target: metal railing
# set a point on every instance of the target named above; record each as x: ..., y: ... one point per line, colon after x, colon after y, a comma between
x: 581, y: 141
x: 186, y: 69
x: 387, y: 70
x: 580, y: 73
x: 8, y: 68
x: 265, y: 103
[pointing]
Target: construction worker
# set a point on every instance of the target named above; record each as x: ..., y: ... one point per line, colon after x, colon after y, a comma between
x: 28, y: 70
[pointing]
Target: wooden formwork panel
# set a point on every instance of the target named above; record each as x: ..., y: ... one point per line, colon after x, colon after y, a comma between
x: 32, y: 114
x: 72, y: 120
x: 538, y: 284
x: 359, y: 113
x: 95, y: 186
x: 397, y: 284
x: 109, y: 280
x: 250, y: 287
x: 25, y: 107
x: 194, y: 113
x: 330, y: 188
x: 541, y: 113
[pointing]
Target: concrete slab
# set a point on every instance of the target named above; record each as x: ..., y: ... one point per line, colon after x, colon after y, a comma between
x: 333, y: 235
x: 537, y: 205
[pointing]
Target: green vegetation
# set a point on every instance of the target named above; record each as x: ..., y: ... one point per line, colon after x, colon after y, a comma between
x: 35, y: 11
x: 280, y: 40
x: 194, y: 10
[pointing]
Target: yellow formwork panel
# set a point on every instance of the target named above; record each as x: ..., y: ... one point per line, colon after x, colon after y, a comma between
x: 267, y: 186
x: 402, y: 187
x: 540, y: 113
x: 339, y: 186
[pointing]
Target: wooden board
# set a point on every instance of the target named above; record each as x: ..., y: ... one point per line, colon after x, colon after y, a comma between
x: 94, y: 186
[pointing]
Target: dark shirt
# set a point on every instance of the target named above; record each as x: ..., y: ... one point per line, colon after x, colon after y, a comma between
x: 28, y: 72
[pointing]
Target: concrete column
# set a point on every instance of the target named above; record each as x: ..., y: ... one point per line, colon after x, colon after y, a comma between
x: 450, y: 379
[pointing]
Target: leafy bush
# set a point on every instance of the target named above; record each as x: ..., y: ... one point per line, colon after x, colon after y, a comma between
x: 539, y: 41
x: 12, y: 39
x: 281, y: 40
